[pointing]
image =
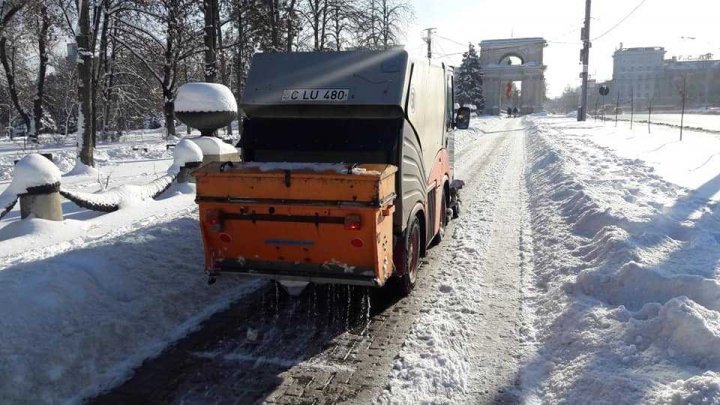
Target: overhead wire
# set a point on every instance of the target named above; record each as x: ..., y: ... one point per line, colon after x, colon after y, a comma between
x: 621, y: 21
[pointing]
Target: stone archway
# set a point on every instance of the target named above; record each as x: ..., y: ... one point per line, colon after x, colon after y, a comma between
x: 497, y: 73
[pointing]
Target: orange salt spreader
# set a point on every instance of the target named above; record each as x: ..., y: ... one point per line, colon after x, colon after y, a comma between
x: 321, y: 223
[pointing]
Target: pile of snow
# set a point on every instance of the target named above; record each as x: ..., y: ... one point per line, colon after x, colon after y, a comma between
x: 205, y: 97
x: 186, y: 151
x: 123, y: 196
x: 81, y: 169
x: 627, y: 265
x: 700, y: 389
x: 209, y: 145
x: 33, y: 170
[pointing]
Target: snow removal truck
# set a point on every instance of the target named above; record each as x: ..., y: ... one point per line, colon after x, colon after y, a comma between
x: 346, y: 174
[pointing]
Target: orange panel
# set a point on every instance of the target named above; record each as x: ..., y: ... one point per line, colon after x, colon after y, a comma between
x: 259, y: 218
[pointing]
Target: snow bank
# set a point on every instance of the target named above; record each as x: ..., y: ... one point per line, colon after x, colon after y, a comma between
x: 688, y: 332
x: 204, y: 97
x: 130, y: 194
x: 627, y: 263
x: 77, y: 322
x: 186, y: 151
x: 700, y: 389
x: 209, y: 145
x: 81, y: 169
x: 123, y: 196
x: 32, y: 170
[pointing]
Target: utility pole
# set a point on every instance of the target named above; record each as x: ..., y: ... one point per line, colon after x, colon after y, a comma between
x: 428, y: 39
x: 683, y: 93
x: 632, y: 106
x: 585, y: 59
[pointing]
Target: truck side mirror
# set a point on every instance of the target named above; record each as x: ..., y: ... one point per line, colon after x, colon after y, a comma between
x: 462, y: 118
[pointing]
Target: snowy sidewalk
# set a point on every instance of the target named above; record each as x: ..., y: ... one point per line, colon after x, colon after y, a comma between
x: 80, y: 320
x: 626, y: 266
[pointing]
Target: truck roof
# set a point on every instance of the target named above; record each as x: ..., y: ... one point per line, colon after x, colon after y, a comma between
x: 285, y: 81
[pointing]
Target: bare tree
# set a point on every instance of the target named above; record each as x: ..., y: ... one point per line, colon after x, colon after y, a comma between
x: 85, y: 78
x: 8, y: 13
x: 161, y: 36
x: 317, y: 14
x: 42, y: 25
x: 379, y: 23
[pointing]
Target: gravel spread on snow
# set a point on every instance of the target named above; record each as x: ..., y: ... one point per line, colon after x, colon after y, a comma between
x: 209, y: 145
x: 32, y: 170
x: 204, y: 97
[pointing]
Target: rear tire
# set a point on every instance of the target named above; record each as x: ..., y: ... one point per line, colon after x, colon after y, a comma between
x: 456, y: 209
x: 444, y: 220
x: 411, y: 257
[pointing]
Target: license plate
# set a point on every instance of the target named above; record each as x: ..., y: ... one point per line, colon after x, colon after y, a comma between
x: 316, y: 95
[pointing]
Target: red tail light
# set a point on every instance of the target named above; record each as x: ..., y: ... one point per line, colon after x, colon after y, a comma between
x: 352, y: 222
x: 214, y: 219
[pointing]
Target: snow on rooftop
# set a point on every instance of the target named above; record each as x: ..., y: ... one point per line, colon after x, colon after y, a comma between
x: 204, y: 97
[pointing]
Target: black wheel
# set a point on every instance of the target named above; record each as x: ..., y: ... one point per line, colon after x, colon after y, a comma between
x: 444, y: 220
x: 410, y: 257
x: 456, y: 209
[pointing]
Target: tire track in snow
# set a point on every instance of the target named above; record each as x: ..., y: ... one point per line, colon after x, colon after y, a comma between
x: 465, y: 345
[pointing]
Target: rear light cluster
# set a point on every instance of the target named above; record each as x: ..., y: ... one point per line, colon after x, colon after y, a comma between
x: 215, y: 220
x: 353, y: 222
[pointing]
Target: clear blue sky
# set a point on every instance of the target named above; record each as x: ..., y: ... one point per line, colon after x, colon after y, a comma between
x: 655, y: 23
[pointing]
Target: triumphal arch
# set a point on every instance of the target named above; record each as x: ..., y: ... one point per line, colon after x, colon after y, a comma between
x: 514, y: 74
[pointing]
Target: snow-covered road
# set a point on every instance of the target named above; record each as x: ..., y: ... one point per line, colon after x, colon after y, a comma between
x: 456, y: 339
x: 584, y: 268
x: 465, y: 345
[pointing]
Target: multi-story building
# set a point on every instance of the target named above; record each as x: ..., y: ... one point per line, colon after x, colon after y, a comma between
x: 636, y: 72
x: 699, y: 78
x: 644, y: 75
